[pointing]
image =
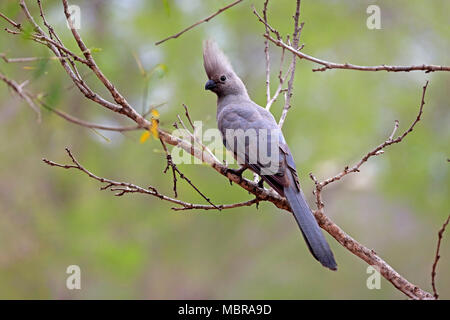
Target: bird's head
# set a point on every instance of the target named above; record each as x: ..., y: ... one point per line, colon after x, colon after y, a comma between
x: 222, y: 79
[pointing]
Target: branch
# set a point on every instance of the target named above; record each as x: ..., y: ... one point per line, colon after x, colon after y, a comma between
x: 171, y: 165
x: 60, y: 52
x: 266, y: 53
x: 194, y: 138
x: 437, y: 257
x: 364, y: 253
x: 379, y: 149
x: 18, y: 88
x: 14, y: 24
x: 296, y: 37
x: 347, y: 66
x: 182, y: 176
x: 219, y: 207
x: 25, y: 59
x: 86, y: 124
x: 199, y: 22
x: 118, y: 97
x: 120, y: 188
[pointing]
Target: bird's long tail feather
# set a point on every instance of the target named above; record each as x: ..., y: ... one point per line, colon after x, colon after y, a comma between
x: 310, y: 229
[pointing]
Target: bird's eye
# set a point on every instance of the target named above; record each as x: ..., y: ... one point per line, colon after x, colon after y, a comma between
x: 223, y: 78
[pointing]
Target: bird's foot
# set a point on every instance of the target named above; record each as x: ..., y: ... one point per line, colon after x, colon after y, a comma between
x: 237, y: 172
x: 261, y: 183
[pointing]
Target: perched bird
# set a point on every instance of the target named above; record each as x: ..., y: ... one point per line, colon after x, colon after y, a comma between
x: 236, y: 112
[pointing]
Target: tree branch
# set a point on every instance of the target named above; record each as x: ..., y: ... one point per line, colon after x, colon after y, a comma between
x: 364, y: 253
x: 295, y: 37
x: 379, y: 149
x: 437, y: 257
x: 18, y: 88
x: 198, y: 22
x: 120, y: 188
x: 347, y: 66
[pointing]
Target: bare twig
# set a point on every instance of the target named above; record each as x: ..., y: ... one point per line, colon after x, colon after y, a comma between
x: 379, y: 149
x: 56, y: 48
x: 281, y: 78
x: 347, y: 66
x: 18, y: 88
x: 364, y: 253
x: 193, y: 137
x: 13, y: 23
x: 125, y: 108
x: 86, y: 124
x: 182, y: 176
x: 171, y: 165
x: 188, y: 116
x: 25, y: 59
x: 120, y: 188
x: 198, y: 22
x: 296, y: 37
x: 219, y: 207
x: 266, y: 53
x: 280, y: 89
x: 437, y: 257
x: 261, y: 19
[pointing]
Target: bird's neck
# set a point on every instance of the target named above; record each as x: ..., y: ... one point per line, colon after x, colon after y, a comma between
x: 230, y: 99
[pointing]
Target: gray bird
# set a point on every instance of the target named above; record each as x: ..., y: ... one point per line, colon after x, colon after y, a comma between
x: 251, y: 133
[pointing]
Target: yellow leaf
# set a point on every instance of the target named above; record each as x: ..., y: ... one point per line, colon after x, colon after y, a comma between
x: 144, y: 136
x: 154, y: 128
x: 155, y: 113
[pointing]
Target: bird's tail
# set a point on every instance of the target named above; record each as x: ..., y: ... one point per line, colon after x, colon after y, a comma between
x: 309, y: 227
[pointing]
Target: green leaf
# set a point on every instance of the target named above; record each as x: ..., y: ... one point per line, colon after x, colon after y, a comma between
x: 95, y: 50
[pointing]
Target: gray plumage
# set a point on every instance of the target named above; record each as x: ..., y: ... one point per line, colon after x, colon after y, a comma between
x: 236, y: 111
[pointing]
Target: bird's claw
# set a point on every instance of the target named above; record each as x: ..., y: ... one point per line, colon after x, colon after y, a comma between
x: 261, y: 183
x: 237, y: 172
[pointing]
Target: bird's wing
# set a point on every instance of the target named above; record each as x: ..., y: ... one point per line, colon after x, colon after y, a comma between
x: 248, y: 116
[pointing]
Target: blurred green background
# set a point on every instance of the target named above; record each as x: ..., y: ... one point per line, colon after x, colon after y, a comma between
x: 135, y: 246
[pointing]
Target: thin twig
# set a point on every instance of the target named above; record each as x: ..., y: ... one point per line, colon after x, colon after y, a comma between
x: 13, y: 23
x: 295, y: 37
x: 348, y: 66
x: 120, y: 188
x: 188, y: 116
x: 198, y: 22
x: 266, y: 53
x: 182, y: 176
x: 86, y: 124
x: 219, y: 207
x: 379, y: 149
x: 171, y: 165
x: 364, y: 253
x: 437, y: 257
x: 18, y: 88
x: 25, y: 59
x: 194, y: 137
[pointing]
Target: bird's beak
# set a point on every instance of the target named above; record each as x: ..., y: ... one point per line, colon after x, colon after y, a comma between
x: 210, y: 84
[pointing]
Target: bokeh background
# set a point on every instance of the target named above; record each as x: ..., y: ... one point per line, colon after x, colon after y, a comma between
x: 135, y: 246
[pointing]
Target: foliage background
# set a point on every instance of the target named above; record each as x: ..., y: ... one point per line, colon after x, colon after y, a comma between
x: 135, y: 246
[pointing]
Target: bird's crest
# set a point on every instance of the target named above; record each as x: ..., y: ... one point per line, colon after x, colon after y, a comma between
x: 214, y: 60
